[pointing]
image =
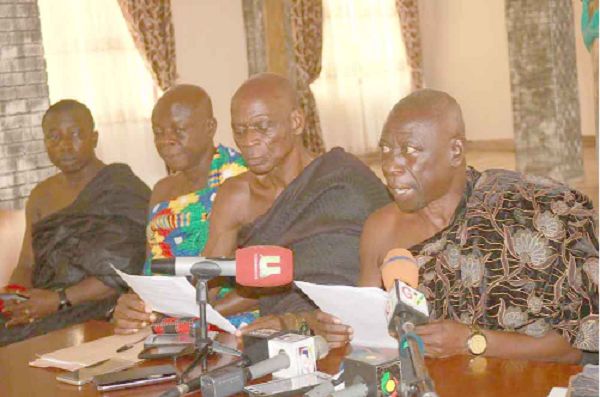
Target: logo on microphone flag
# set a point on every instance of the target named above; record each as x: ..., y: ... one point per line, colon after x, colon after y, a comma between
x: 264, y: 266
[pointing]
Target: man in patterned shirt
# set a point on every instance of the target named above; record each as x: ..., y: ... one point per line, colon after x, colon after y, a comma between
x: 504, y: 255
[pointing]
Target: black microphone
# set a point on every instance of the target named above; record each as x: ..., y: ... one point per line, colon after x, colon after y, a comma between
x: 371, y: 372
x: 227, y: 381
x: 232, y: 381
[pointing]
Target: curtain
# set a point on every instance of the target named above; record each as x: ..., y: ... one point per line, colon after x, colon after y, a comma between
x: 408, y: 12
x: 91, y: 57
x: 149, y: 22
x: 256, y: 42
x: 543, y: 78
x: 306, y: 24
x: 362, y: 75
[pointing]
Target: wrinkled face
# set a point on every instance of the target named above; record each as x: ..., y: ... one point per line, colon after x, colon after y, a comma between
x: 70, y: 140
x: 416, y: 159
x: 263, y: 131
x: 182, y: 134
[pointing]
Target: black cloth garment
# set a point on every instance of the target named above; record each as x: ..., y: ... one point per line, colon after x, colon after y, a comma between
x: 320, y: 217
x: 104, y: 226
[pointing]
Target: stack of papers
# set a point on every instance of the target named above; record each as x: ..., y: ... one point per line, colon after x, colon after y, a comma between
x: 173, y: 296
x: 90, y: 353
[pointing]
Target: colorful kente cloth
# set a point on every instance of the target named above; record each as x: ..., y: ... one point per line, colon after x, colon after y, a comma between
x: 521, y: 254
x: 179, y: 227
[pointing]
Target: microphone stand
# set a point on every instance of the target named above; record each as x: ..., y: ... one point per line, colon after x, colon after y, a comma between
x: 203, y: 345
x: 416, y: 381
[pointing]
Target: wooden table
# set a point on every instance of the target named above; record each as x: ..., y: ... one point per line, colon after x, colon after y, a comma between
x: 456, y: 376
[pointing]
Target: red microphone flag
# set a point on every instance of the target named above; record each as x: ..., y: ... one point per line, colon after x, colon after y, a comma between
x: 264, y: 266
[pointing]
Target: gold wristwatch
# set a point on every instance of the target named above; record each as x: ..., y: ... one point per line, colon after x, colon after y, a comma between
x: 476, y: 342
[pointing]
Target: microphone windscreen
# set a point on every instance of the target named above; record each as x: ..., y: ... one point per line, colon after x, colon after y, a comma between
x: 399, y: 264
x: 264, y: 266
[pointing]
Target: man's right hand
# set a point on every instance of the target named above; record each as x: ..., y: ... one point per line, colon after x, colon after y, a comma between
x: 131, y: 314
x: 330, y: 327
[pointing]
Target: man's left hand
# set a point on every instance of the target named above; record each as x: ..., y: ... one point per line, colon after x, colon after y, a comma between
x: 335, y: 333
x: 444, y: 338
x: 41, y: 303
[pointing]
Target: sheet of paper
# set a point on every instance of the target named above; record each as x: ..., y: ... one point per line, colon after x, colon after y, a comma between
x: 364, y: 309
x: 173, y: 296
x: 90, y: 353
x: 558, y: 392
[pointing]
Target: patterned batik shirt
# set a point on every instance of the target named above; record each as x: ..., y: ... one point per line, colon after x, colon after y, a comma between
x: 179, y: 227
x: 521, y: 254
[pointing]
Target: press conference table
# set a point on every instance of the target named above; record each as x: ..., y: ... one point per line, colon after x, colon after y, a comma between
x: 456, y: 376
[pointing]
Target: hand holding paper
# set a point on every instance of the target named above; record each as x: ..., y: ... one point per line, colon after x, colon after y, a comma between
x: 173, y: 296
x: 364, y: 309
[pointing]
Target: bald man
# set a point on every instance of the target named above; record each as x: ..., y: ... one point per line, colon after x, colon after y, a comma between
x: 184, y: 129
x: 507, y: 262
x: 79, y: 222
x: 314, y: 205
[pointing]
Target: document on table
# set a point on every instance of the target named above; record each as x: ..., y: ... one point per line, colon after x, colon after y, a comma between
x: 173, y: 296
x: 90, y: 353
x: 364, y: 309
x: 558, y: 392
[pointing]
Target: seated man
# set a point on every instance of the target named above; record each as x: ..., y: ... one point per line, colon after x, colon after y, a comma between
x: 512, y: 256
x: 315, y: 206
x: 184, y: 128
x: 78, y: 223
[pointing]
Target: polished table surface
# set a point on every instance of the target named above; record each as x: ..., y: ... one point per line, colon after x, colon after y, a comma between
x: 456, y: 376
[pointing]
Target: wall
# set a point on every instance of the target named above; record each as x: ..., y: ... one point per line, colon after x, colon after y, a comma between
x: 211, y: 52
x: 23, y: 99
x: 585, y: 75
x: 465, y: 52
x: 12, y: 228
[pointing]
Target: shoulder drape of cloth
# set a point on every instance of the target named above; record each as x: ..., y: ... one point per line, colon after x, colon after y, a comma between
x: 520, y: 255
x: 320, y: 217
x: 105, y: 225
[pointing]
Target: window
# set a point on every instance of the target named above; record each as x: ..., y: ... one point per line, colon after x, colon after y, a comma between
x: 91, y: 57
x: 364, y: 72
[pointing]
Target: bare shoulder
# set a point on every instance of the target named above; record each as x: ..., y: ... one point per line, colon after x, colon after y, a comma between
x: 236, y: 187
x: 39, y: 194
x: 388, y: 228
x: 163, y: 189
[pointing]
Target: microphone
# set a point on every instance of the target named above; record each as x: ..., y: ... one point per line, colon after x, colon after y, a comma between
x: 399, y: 264
x: 291, y: 355
x: 296, y: 355
x: 408, y: 308
x: 256, y: 266
x: 371, y: 372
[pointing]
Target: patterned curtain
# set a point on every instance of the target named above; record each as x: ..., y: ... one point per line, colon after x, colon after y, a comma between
x: 408, y: 11
x: 544, y: 90
x: 150, y: 24
x: 307, y: 28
